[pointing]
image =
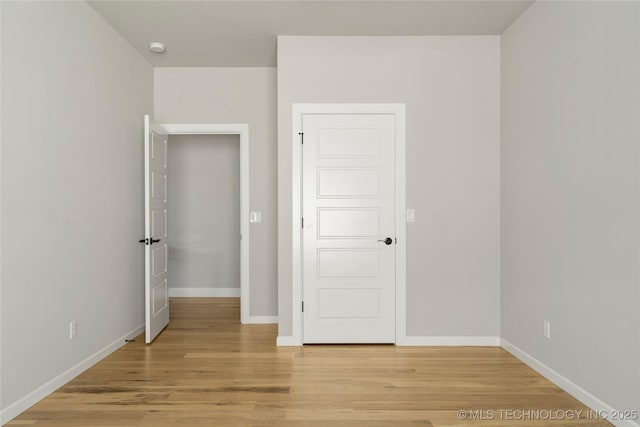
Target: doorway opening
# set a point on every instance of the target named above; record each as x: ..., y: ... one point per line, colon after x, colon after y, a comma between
x: 208, y: 231
x: 203, y: 199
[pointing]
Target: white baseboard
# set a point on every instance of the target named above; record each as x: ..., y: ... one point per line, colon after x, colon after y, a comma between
x: 286, y: 341
x: 204, y: 292
x: 27, y: 401
x: 566, y: 384
x: 258, y: 320
x: 448, y: 341
x: 420, y: 341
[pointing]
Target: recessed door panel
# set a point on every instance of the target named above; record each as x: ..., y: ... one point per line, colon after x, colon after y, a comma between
x: 160, y: 297
x: 348, y: 303
x: 159, y: 149
x: 159, y: 223
x: 348, y: 183
x: 158, y: 259
x: 158, y: 186
x: 345, y: 222
x: 348, y: 263
x: 348, y: 142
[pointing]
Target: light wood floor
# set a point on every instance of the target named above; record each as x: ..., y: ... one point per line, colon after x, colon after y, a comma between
x: 206, y: 369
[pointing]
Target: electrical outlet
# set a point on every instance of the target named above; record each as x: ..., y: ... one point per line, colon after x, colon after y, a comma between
x: 547, y: 329
x: 73, y: 329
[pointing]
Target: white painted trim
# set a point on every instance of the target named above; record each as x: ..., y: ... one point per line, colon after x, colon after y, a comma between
x: 638, y: 183
x: 564, y: 383
x: 263, y: 320
x: 421, y: 341
x: 286, y: 341
x: 296, y: 236
x: 206, y: 128
x: 1, y: 417
x: 241, y: 129
x: 401, y: 224
x: 27, y: 401
x: 296, y: 202
x: 204, y: 292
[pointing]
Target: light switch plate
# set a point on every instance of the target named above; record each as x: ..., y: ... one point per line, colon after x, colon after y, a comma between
x: 547, y: 329
x: 73, y: 329
x: 411, y: 215
x: 255, y: 216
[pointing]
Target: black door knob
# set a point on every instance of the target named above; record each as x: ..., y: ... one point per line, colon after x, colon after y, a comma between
x: 387, y: 241
x: 149, y: 241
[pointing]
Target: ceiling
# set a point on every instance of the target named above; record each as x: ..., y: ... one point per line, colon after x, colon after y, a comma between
x: 243, y: 33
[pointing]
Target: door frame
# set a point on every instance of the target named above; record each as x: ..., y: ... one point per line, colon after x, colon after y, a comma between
x: 299, y: 110
x: 241, y: 129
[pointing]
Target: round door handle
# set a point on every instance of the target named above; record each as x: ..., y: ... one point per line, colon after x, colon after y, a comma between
x: 387, y: 241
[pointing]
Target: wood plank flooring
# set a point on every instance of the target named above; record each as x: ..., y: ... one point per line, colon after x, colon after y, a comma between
x: 206, y: 369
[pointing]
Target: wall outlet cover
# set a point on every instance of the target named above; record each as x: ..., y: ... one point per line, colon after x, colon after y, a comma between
x: 411, y: 215
x: 547, y: 329
x: 73, y: 329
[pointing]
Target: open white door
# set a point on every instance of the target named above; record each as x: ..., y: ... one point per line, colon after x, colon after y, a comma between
x: 155, y: 228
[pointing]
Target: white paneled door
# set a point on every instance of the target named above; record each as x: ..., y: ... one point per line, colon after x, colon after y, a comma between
x: 155, y: 224
x: 348, y: 229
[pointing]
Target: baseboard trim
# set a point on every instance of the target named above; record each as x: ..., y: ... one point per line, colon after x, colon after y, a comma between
x: 204, y: 292
x: 566, y: 384
x: 448, y: 341
x: 27, y: 401
x: 262, y: 320
x: 286, y: 341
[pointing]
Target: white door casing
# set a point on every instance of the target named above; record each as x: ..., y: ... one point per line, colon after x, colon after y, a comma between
x: 242, y: 130
x: 348, y: 204
x: 155, y: 225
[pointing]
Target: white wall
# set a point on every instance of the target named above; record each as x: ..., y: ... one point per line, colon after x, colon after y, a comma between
x: 451, y: 88
x: 570, y: 193
x: 236, y: 95
x: 204, y: 212
x: 73, y: 96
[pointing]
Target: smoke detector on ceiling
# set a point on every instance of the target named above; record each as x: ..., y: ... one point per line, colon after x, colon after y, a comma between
x: 156, y: 47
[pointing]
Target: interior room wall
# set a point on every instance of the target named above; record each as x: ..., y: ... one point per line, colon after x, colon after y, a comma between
x: 571, y: 193
x: 203, y: 201
x: 236, y: 95
x: 73, y: 98
x: 451, y: 88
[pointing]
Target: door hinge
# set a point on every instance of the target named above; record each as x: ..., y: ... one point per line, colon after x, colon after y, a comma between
x: 396, y: 240
x: 303, y: 306
x: 301, y: 222
x: 301, y: 137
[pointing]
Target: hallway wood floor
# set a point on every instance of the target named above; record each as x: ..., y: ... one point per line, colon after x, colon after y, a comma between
x: 206, y: 369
